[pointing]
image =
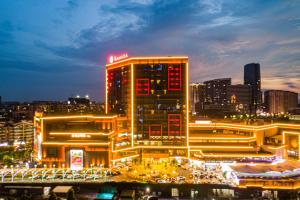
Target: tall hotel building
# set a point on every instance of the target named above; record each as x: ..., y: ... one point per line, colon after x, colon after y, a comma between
x: 152, y: 94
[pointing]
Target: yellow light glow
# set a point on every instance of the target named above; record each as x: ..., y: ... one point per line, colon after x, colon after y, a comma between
x: 132, y: 105
x: 221, y: 147
x: 237, y: 155
x: 71, y: 133
x: 280, y: 147
x: 77, y: 143
x: 126, y: 157
x: 106, y: 95
x: 221, y: 138
x: 80, y: 116
x: 187, y: 108
x: 148, y: 58
x: 288, y: 132
x: 151, y: 147
x: 245, y: 127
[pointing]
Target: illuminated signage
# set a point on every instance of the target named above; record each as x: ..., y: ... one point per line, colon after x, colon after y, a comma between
x: 76, y: 157
x: 80, y: 135
x: 113, y: 59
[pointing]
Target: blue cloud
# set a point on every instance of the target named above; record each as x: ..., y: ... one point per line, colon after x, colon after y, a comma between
x: 74, y: 37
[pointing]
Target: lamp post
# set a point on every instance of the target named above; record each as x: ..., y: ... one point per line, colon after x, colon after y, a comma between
x: 44, y: 171
x: 53, y: 172
x: 63, y: 166
x: 12, y: 173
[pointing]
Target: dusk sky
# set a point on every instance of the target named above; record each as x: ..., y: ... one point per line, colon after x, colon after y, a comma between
x: 50, y: 50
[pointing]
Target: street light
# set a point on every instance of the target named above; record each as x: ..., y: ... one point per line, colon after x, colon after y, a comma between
x: 12, y: 173
x: 63, y: 166
x: 147, y: 190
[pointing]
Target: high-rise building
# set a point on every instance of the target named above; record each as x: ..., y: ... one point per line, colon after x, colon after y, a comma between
x: 216, y: 93
x: 153, y: 93
x: 252, y: 78
x: 196, y: 98
x: 280, y: 101
x: 239, y: 98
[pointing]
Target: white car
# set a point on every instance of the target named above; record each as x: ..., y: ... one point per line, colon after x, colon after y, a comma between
x: 50, y: 177
x: 94, y: 176
x: 76, y: 176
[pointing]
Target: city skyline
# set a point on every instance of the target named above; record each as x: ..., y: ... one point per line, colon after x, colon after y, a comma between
x: 63, y: 53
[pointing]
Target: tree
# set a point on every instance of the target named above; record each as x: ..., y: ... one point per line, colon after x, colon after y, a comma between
x: 7, y: 160
x: 71, y: 195
x: 52, y: 196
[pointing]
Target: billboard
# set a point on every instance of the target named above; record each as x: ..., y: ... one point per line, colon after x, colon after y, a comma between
x: 76, y: 159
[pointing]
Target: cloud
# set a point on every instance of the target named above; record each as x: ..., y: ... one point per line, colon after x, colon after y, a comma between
x: 220, y: 37
x: 212, y: 6
x: 6, y: 32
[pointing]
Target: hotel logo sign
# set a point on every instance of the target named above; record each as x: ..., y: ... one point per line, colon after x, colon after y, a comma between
x: 113, y: 59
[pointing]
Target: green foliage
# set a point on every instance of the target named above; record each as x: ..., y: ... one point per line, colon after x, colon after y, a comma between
x: 52, y: 196
x: 71, y: 195
x: 7, y: 160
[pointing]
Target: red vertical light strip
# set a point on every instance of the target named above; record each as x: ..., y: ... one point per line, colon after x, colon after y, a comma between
x: 174, y: 120
x: 155, y: 132
x: 142, y: 87
x: 174, y: 77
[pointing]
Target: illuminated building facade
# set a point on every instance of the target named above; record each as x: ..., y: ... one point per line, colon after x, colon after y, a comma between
x: 197, y: 98
x: 239, y: 98
x: 216, y: 94
x: 147, y: 118
x: 152, y: 93
x: 75, y: 141
x: 280, y: 101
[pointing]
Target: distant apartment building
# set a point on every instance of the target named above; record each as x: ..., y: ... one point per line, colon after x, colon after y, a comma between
x: 216, y: 94
x: 239, y: 98
x: 280, y: 101
x: 3, y: 133
x: 253, y: 79
x: 16, y: 134
x: 197, y: 97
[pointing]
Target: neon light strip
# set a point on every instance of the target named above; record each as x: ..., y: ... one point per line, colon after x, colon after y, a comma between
x: 132, y: 106
x: 222, y: 141
x: 106, y: 91
x: 237, y: 155
x: 126, y: 157
x: 155, y: 125
x: 80, y: 116
x: 225, y: 147
x: 220, y: 138
x: 288, y: 132
x: 80, y: 143
x: 149, y: 58
x: 171, y: 122
x: 263, y: 127
x: 170, y: 77
x: 69, y: 133
x: 137, y: 88
x: 276, y: 147
x: 149, y: 147
x: 187, y: 108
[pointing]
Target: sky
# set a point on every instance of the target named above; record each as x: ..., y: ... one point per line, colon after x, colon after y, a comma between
x: 51, y: 50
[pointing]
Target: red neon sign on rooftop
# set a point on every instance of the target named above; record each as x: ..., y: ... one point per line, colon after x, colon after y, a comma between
x: 114, y: 58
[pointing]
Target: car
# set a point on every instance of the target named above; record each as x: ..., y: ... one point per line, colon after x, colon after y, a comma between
x: 75, y: 176
x: 180, y: 178
x: 50, y: 177
x: 35, y: 177
x: 94, y: 176
x: 162, y: 181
